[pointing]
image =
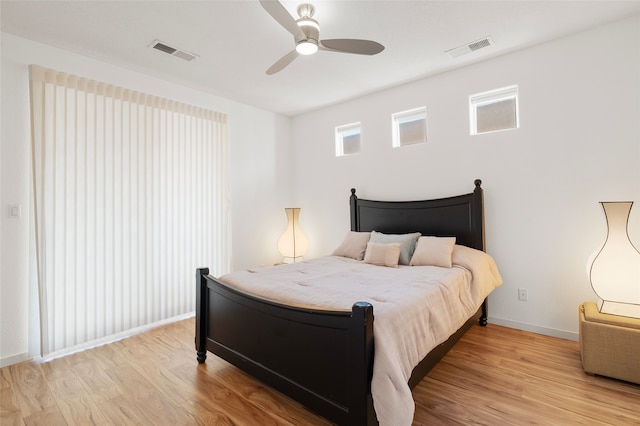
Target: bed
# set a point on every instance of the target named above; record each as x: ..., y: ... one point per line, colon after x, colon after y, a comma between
x: 324, y: 358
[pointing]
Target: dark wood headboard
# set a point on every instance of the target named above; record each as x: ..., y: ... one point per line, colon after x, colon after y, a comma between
x: 460, y: 216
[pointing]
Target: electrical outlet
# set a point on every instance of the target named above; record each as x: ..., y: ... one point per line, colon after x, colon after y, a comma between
x: 522, y: 294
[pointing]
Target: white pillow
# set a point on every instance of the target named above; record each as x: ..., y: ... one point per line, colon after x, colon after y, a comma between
x: 433, y: 251
x: 383, y: 254
x: 353, y: 245
x: 407, y: 243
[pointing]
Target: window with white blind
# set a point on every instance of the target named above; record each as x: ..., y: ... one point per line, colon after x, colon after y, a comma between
x: 129, y: 199
x: 409, y: 127
x: 494, y: 110
x: 348, y: 139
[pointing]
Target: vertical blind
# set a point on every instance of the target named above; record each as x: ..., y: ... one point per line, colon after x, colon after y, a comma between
x: 129, y: 199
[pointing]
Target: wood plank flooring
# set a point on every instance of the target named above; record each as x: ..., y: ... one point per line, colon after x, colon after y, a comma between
x: 493, y: 376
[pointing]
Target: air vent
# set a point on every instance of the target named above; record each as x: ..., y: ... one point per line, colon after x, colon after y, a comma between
x: 184, y: 55
x: 173, y: 51
x: 164, y: 48
x: 470, y: 47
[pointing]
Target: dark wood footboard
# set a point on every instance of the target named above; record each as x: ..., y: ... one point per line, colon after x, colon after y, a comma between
x: 323, y: 359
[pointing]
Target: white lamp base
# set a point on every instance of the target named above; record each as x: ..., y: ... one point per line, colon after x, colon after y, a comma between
x: 292, y: 259
x: 619, y: 308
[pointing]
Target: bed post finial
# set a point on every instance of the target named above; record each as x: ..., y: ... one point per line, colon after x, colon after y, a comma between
x: 478, y: 182
x: 353, y: 206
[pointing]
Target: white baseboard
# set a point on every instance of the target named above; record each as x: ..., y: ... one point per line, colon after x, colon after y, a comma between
x: 562, y: 334
x: 4, y: 362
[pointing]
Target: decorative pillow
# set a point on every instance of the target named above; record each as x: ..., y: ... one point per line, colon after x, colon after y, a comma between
x: 383, y: 254
x: 406, y: 241
x: 433, y: 251
x: 353, y: 245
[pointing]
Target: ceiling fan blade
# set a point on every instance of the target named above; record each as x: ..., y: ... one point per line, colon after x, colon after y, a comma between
x: 282, y: 62
x: 352, y: 45
x: 280, y: 14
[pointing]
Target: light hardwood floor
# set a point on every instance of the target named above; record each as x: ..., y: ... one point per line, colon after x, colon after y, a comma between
x: 493, y: 376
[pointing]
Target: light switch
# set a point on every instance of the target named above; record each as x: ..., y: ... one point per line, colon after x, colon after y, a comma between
x: 15, y: 210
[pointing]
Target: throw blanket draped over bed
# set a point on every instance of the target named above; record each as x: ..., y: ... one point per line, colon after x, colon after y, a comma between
x: 415, y: 308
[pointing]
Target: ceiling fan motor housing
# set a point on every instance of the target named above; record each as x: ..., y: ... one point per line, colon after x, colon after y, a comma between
x: 310, y: 29
x: 307, y: 24
x: 308, y: 44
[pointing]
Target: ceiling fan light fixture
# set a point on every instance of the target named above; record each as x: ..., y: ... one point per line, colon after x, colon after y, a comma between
x: 311, y: 30
x: 307, y: 47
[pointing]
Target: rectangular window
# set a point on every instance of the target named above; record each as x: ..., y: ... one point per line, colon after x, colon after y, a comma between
x: 348, y: 139
x: 410, y: 127
x: 494, y: 110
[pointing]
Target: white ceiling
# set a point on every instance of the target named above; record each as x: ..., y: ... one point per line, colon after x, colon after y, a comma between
x: 237, y: 40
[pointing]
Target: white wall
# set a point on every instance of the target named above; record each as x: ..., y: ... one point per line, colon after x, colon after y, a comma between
x: 578, y: 144
x: 259, y: 145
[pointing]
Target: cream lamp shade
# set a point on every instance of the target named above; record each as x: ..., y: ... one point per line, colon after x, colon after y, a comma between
x: 293, y: 243
x: 615, y: 269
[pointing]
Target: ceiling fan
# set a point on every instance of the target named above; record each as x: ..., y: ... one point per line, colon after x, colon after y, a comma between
x: 306, y: 35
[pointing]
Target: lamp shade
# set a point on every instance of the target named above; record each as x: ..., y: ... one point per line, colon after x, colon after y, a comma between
x: 293, y: 243
x: 615, y: 270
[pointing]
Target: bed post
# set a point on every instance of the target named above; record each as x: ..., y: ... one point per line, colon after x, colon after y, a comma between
x: 478, y: 224
x: 202, y: 302
x: 483, y: 315
x: 477, y: 216
x: 353, y: 201
x: 361, y: 411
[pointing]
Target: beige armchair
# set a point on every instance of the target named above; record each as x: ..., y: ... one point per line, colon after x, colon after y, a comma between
x: 609, y: 344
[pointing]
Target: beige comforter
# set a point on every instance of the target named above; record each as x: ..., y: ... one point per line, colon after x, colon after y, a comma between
x: 415, y: 309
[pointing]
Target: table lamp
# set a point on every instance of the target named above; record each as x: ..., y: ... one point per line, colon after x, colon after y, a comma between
x: 293, y: 243
x: 615, y: 270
